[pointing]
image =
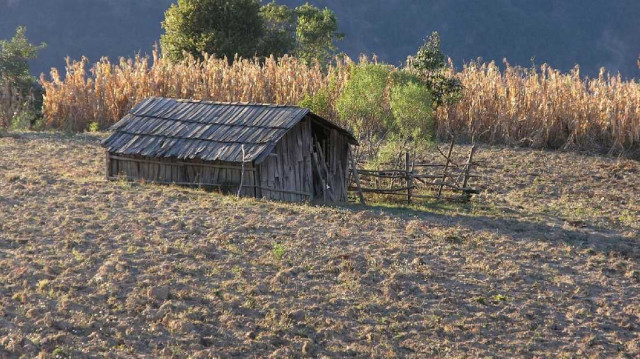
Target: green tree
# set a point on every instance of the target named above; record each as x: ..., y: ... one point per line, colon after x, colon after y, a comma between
x: 279, y: 30
x: 243, y: 27
x: 411, y: 109
x: 316, y: 33
x: 429, y: 64
x: 220, y: 27
x: 14, y: 59
x: 363, y: 103
x: 20, y: 95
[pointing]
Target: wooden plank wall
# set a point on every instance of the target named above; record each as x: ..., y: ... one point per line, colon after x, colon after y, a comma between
x: 286, y: 174
x: 337, y: 148
x: 218, y: 175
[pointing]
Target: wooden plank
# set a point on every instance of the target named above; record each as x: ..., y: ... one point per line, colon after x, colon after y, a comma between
x: 176, y: 162
x: 446, y: 167
x: 356, y: 177
x: 108, y: 165
x: 468, y: 167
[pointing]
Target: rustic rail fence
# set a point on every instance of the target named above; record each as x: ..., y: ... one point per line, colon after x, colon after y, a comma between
x: 448, y: 180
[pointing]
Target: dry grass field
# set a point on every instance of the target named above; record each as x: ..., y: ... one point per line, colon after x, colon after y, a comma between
x: 545, y: 263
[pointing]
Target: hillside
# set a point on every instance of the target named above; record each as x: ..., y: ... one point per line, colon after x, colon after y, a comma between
x: 545, y: 263
x: 590, y: 33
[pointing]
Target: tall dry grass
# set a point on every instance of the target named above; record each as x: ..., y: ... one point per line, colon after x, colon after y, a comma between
x: 539, y: 108
x: 106, y: 91
x: 545, y: 108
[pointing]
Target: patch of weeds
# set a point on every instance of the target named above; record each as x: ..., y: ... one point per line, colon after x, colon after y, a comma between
x: 176, y: 350
x: 250, y: 303
x: 43, y: 284
x: 237, y: 270
x: 278, y: 251
x: 480, y: 300
x: 499, y: 298
x: 627, y: 218
x: 94, y: 127
x: 59, y: 353
x: 77, y: 255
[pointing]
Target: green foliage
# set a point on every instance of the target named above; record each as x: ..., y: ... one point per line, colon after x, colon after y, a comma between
x: 279, y: 30
x: 94, y: 127
x: 379, y: 100
x: 429, y: 57
x: 316, y: 33
x: 278, y: 251
x: 363, y: 103
x: 20, y: 94
x: 243, y: 27
x: 429, y: 63
x: 319, y: 103
x: 411, y: 109
x: 14, y: 58
x: 220, y: 27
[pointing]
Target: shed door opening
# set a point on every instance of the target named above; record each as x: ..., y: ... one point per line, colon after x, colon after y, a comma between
x: 329, y: 163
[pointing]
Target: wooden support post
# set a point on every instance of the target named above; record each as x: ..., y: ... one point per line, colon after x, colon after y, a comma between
x: 241, y: 173
x: 409, y: 176
x: 446, y: 167
x: 467, y: 170
x: 108, y: 166
x: 356, y: 177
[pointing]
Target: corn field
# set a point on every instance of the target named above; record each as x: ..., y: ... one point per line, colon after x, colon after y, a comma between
x: 516, y: 106
x: 105, y: 92
x: 545, y: 108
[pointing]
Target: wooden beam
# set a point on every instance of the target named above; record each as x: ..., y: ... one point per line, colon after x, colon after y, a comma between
x: 356, y: 177
x: 171, y: 162
x: 200, y: 184
x: 108, y: 166
x: 446, y: 166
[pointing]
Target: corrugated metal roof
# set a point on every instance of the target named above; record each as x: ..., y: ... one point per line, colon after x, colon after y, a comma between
x: 187, y: 129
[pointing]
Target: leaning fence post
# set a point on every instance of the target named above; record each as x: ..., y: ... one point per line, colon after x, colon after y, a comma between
x: 467, y: 170
x: 356, y: 176
x: 446, y: 167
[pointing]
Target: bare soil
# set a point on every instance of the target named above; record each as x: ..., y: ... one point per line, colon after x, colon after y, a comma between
x: 544, y: 263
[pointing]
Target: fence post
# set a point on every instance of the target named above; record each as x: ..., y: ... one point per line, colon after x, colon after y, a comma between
x: 241, y: 173
x: 467, y: 170
x: 409, y: 176
x: 446, y: 167
x: 354, y: 166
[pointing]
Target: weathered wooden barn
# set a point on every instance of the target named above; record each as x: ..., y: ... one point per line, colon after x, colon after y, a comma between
x: 278, y: 152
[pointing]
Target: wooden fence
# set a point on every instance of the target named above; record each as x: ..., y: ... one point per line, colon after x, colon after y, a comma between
x: 447, y: 180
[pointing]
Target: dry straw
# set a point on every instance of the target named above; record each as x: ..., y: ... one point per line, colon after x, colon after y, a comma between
x: 545, y: 108
x: 539, y: 108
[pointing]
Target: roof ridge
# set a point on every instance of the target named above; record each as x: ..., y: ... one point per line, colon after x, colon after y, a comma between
x: 234, y: 103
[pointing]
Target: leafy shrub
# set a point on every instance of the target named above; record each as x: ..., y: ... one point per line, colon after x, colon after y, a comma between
x: 364, y: 103
x: 411, y: 109
x: 429, y: 64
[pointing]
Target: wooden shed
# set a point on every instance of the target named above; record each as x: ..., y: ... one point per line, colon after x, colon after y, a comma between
x: 278, y: 152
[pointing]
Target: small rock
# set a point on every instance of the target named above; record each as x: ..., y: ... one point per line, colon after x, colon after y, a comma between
x: 250, y: 335
x: 159, y: 293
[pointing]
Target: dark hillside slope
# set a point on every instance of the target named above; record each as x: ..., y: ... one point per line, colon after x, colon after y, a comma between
x: 562, y: 33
